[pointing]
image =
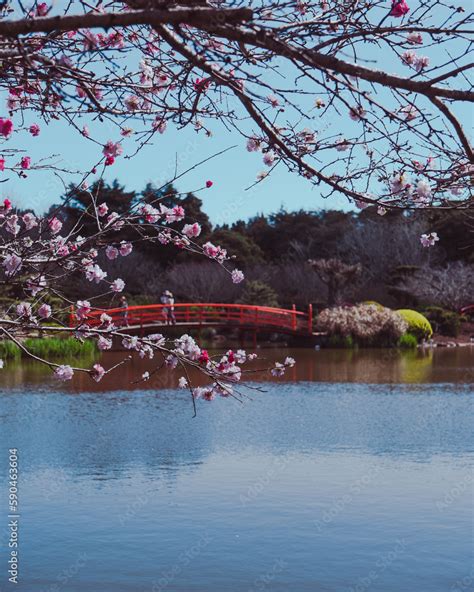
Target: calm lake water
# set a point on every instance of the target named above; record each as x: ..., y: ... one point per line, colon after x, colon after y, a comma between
x: 353, y: 474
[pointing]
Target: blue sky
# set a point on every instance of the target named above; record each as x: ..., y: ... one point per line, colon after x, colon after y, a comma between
x: 232, y: 173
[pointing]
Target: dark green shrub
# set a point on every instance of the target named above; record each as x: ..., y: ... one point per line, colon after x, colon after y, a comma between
x: 259, y: 294
x: 341, y: 341
x: 445, y: 322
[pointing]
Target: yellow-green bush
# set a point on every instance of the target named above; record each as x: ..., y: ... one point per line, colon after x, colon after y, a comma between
x: 418, y: 324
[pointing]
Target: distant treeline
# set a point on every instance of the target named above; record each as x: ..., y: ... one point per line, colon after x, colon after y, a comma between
x: 382, y: 255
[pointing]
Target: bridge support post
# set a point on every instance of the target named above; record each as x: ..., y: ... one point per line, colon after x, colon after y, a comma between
x: 293, y: 320
x: 310, y: 319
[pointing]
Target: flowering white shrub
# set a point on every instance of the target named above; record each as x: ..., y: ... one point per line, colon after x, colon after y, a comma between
x: 368, y: 324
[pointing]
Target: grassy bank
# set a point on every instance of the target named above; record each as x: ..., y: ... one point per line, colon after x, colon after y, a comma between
x: 51, y: 347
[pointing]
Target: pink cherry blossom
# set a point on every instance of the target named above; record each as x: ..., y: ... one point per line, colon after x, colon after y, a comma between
x: 6, y: 127
x: 55, y: 225
x: 409, y: 57
x: 63, y: 251
x: 269, y: 158
x: 421, y: 63
x: 410, y: 112
x: 113, y: 220
x: 109, y: 160
x: 12, y: 225
x: 132, y: 103
x: 29, y: 220
x: 423, y: 191
x: 83, y: 308
x: 342, y: 145
x: 237, y: 276
x: 151, y: 214
x: 273, y: 100
x: 34, y: 130
x: 42, y: 9
x: 103, y: 343
x: 214, y: 252
x: 429, y: 240
x: 203, y: 357
x: 98, y: 372
x: 113, y: 149
x: 192, y: 230
x: 90, y: 40
x: 117, y: 285
x: 159, y: 126
x: 24, y: 309
x: 25, y: 162
x: 95, y: 274
x: 174, y: 214
x: 414, y: 38
x: 209, y: 184
x: 2, y: 163
x: 36, y: 285
x: 125, y: 248
x: 399, y: 183
x: 64, y: 372
x: 399, y: 8
x: 103, y: 209
x: 201, y: 84
x: 253, y: 145
x: 7, y: 204
x: 111, y: 252
x: 12, y: 103
x: 130, y: 342
x: 278, y: 370
x: 357, y: 113
x: 12, y: 264
x: 44, y: 311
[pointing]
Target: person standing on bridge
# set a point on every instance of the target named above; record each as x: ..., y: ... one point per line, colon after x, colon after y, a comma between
x: 171, y: 320
x: 124, y: 305
x: 168, y: 311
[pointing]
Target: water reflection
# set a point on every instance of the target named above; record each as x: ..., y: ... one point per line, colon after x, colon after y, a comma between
x: 390, y: 366
x: 326, y: 476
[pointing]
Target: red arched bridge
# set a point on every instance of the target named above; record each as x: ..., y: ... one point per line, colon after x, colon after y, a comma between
x: 143, y: 319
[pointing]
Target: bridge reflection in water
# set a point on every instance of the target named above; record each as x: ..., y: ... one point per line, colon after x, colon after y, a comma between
x: 152, y: 317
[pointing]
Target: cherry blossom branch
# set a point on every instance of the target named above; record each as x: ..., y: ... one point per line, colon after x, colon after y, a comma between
x: 173, y: 15
x: 457, y: 126
x: 309, y: 57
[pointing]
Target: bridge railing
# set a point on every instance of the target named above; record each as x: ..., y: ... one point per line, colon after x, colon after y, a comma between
x: 201, y: 314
